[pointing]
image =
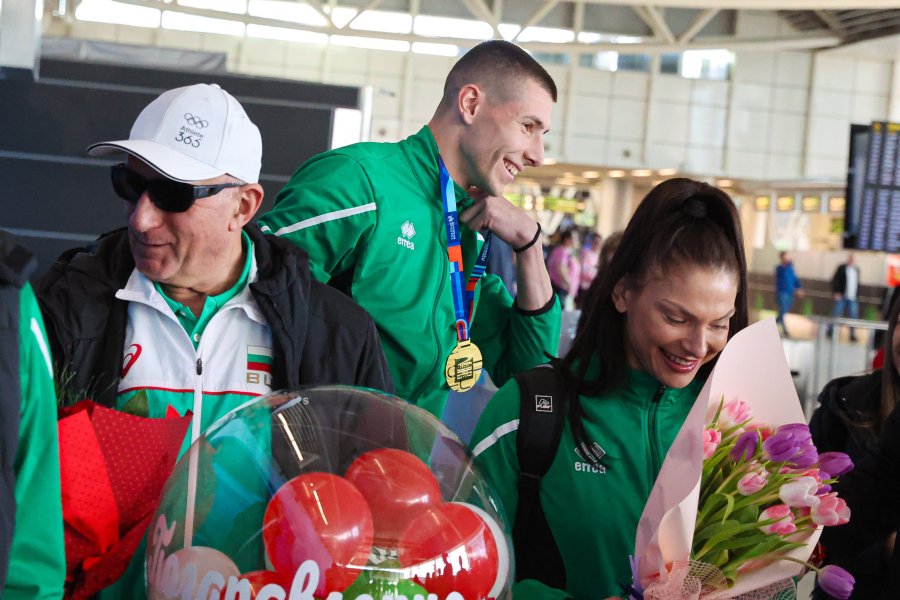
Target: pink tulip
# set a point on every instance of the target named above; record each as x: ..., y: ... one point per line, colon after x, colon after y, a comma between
x: 800, y: 492
x: 783, y: 517
x: 734, y: 412
x: 753, y: 481
x: 711, y: 440
x: 831, y: 510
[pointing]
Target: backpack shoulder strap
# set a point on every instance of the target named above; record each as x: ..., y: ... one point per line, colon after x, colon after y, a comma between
x: 542, y: 417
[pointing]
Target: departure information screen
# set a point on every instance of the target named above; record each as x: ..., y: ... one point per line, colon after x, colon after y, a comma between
x: 877, y: 185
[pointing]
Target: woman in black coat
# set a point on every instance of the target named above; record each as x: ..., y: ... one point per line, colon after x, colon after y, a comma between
x: 857, y: 415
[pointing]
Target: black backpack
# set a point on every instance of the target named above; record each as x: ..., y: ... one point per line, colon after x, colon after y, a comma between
x: 542, y: 416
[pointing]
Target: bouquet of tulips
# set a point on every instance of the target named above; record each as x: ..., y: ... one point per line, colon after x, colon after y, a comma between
x: 738, y: 505
x: 762, y: 491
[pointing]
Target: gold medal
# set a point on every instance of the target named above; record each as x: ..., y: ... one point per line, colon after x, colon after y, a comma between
x: 463, y: 367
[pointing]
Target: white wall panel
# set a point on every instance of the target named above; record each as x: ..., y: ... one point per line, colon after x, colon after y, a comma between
x: 231, y: 45
x: 703, y: 160
x: 171, y: 38
x: 749, y: 130
x: 831, y: 104
x: 553, y: 147
x: 386, y: 63
x: 104, y: 32
x: 828, y: 137
x: 710, y: 93
x: 585, y: 149
x: 833, y: 72
x: 784, y: 166
x: 755, y: 96
x: 622, y: 153
x: 672, y: 89
x: 302, y: 73
x: 386, y: 95
x: 590, y: 116
x: 425, y: 98
x: 818, y: 166
x: 353, y: 78
x: 788, y: 99
x: 792, y: 68
x: 787, y: 133
x: 343, y: 58
x: 872, y: 76
x: 143, y: 36
x: 307, y: 55
x: 707, y: 126
x: 425, y: 66
x: 627, y: 118
x: 630, y: 85
x: 741, y: 163
x: 666, y: 156
x: 869, y: 108
x: 264, y: 52
x: 385, y: 130
x: 591, y: 82
x: 758, y: 67
x: 668, y: 123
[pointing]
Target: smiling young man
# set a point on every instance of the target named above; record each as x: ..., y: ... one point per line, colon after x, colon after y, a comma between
x: 191, y: 307
x: 379, y: 221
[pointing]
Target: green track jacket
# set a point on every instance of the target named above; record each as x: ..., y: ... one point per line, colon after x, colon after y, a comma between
x: 37, y: 566
x: 371, y: 218
x: 592, y: 511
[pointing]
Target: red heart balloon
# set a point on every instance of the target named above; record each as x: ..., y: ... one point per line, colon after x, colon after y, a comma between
x: 397, y: 486
x: 319, y: 517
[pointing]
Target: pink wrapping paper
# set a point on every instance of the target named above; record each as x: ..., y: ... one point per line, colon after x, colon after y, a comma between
x: 752, y: 367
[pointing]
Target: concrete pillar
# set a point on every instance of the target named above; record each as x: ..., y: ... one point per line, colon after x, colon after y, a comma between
x: 20, y: 37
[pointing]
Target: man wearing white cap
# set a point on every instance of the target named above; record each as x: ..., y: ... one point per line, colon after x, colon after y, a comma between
x: 191, y: 307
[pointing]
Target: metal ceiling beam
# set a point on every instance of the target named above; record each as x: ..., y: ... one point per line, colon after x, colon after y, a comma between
x: 317, y: 6
x: 480, y: 11
x: 656, y: 22
x: 700, y: 21
x: 372, y: 4
x: 536, y: 16
x: 831, y: 21
x: 756, y: 4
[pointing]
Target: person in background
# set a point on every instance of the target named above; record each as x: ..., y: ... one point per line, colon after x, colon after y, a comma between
x: 190, y: 282
x: 563, y: 267
x: 587, y: 259
x: 851, y: 418
x: 673, y: 294
x: 786, y: 285
x: 845, y: 288
x: 380, y: 222
x: 32, y: 553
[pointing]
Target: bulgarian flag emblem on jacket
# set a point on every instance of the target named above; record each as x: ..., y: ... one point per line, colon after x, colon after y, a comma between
x: 259, y: 359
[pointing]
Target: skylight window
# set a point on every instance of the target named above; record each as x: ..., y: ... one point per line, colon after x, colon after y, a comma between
x: 232, y: 6
x: 295, y: 12
x: 454, y: 28
x: 286, y: 34
x: 184, y: 22
x: 107, y: 11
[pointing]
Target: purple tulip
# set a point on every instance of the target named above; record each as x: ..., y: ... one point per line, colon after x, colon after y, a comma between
x: 745, y: 446
x: 787, y: 441
x: 836, y: 582
x: 834, y: 464
x: 806, y: 457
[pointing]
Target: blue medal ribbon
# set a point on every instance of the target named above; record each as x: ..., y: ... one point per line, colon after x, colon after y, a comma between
x: 463, y: 292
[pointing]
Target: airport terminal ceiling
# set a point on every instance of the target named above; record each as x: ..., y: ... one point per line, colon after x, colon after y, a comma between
x: 666, y: 25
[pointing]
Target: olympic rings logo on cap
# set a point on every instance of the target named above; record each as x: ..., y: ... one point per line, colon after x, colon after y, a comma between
x: 195, y: 121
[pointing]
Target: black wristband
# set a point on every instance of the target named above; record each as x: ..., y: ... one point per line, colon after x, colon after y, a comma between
x: 533, y: 241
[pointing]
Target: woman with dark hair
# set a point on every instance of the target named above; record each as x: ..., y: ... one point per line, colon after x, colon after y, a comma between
x: 851, y: 418
x: 673, y: 294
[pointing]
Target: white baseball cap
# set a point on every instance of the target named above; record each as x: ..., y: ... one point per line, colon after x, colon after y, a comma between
x: 191, y: 134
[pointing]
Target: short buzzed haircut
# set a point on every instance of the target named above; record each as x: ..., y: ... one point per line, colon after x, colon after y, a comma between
x: 499, y: 65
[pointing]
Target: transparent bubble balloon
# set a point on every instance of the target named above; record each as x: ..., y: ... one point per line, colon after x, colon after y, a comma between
x: 328, y: 493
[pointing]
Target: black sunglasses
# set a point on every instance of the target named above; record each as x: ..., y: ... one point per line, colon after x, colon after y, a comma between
x: 167, y: 194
